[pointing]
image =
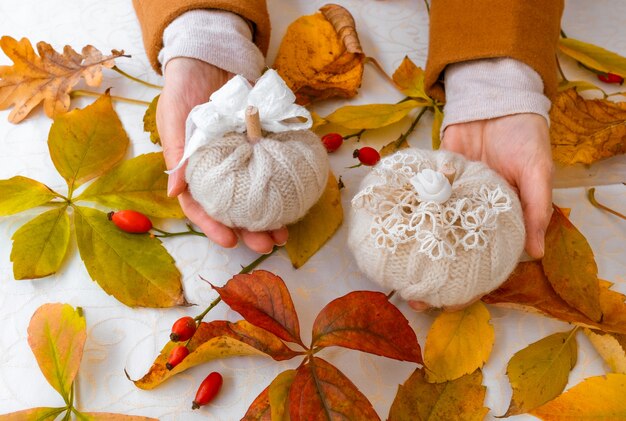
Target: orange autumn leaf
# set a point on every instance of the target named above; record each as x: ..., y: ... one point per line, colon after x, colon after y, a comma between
x: 47, y: 77
x: 585, y: 131
x: 260, y: 409
x: 570, y: 266
x: 528, y: 289
x: 320, y: 56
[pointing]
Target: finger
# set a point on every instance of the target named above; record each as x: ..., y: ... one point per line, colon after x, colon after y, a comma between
x: 280, y: 236
x: 171, y: 126
x: 214, y: 230
x: 535, y: 188
x: 419, y: 306
x: 261, y: 242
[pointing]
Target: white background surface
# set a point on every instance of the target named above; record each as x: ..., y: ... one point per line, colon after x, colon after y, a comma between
x: 120, y: 337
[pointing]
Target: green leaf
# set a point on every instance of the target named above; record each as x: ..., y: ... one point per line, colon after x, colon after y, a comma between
x: 139, y: 184
x: 436, y: 131
x: 460, y: 399
x: 539, y: 372
x: 134, y: 268
x: 33, y: 414
x: 593, y: 56
x: 279, y: 393
x: 87, y: 143
x: 149, y: 121
x: 372, y: 116
x: 57, y: 335
x: 19, y: 193
x: 40, y: 245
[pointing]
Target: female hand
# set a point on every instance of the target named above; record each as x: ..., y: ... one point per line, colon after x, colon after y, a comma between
x: 189, y: 82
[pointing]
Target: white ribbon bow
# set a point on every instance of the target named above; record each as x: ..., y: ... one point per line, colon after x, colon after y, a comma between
x: 225, y: 111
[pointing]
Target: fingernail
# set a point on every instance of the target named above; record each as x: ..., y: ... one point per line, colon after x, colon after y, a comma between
x: 171, y: 183
x: 541, y: 241
x: 281, y: 244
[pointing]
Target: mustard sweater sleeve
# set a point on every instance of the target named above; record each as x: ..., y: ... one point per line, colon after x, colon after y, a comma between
x: 155, y: 15
x: 461, y: 30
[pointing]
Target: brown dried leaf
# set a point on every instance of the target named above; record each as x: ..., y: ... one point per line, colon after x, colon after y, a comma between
x: 318, y: 62
x: 48, y: 77
x: 611, y: 347
x: 585, y: 131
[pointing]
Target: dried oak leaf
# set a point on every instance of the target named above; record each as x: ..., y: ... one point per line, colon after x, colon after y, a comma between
x: 47, y: 77
x: 585, y: 131
x: 320, y: 56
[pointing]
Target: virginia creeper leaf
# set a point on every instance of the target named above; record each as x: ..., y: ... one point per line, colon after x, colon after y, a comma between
x: 611, y: 347
x: 321, y: 392
x: 371, y: 116
x: 19, y: 193
x: 105, y: 416
x: 410, y: 79
x: 458, y: 343
x: 310, y: 233
x: 539, y: 372
x: 134, y: 268
x: 57, y: 335
x: 528, y: 289
x: 260, y: 409
x: 149, y: 121
x: 315, y: 60
x: 263, y: 299
x: 33, y: 414
x: 40, y: 245
x: 368, y: 322
x: 460, y: 399
x: 586, y: 130
x: 279, y: 393
x: 88, y: 142
x: 436, y: 130
x: 215, y: 340
x: 48, y: 77
x: 595, y: 398
x: 570, y: 267
x: 593, y: 56
x: 140, y: 184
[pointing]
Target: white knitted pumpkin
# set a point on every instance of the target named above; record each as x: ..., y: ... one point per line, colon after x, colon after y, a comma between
x: 411, y: 232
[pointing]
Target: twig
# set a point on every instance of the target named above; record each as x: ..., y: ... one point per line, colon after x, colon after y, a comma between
x: 591, y: 195
x: 190, y: 231
x: 136, y: 79
x: 427, y: 6
x: 558, y: 66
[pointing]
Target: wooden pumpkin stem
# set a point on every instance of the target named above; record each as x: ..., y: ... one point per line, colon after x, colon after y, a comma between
x: 449, y: 171
x: 253, y: 124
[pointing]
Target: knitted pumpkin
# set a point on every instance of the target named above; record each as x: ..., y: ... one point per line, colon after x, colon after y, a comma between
x: 251, y: 162
x: 436, y: 227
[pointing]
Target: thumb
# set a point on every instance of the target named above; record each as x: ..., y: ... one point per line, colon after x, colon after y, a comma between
x: 171, y: 127
x: 535, y: 190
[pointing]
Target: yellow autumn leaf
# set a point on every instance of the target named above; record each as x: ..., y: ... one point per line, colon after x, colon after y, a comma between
x: 309, y: 234
x: 593, y: 56
x: 57, y: 335
x: 40, y: 245
x: 33, y: 414
x: 585, y: 131
x: 595, y: 398
x: 579, y: 85
x: 320, y: 56
x: 88, y: 142
x: 611, y: 347
x: 436, y: 130
x: 47, y: 77
x: 410, y: 79
x: 106, y: 416
x: 19, y: 193
x: 539, y: 372
x: 371, y: 116
x: 458, y: 343
x: 279, y: 395
x: 149, y: 121
x: 460, y: 399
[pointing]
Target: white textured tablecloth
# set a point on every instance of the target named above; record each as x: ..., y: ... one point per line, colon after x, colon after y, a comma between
x: 120, y: 337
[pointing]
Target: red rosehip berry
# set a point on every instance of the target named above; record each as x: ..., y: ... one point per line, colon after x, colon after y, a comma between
x: 207, y: 390
x: 367, y: 155
x: 131, y: 221
x: 611, y: 78
x: 183, y: 329
x: 332, y: 141
x: 177, y: 355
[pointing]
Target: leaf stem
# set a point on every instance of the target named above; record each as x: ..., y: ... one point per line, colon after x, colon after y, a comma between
x: 136, y: 79
x: 563, y: 33
x: 427, y: 6
x: 82, y: 92
x: 380, y: 69
x: 190, y: 231
x: 357, y: 135
x: 591, y: 195
x: 558, y: 66
x: 615, y: 94
x: 244, y: 269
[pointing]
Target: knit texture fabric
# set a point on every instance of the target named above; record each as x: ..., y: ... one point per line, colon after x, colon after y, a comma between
x: 444, y: 254
x: 261, y: 186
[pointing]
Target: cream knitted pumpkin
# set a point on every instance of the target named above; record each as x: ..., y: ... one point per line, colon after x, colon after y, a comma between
x: 443, y: 244
x: 252, y: 163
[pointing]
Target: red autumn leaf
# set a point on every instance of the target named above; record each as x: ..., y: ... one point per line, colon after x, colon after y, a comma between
x: 528, y: 289
x: 570, y: 266
x: 321, y: 392
x: 260, y: 409
x: 214, y: 340
x: 263, y: 299
x: 368, y: 322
